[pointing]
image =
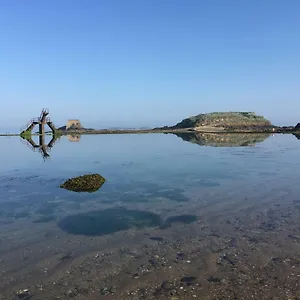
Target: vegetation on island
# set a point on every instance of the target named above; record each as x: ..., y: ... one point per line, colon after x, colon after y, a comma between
x: 224, y: 120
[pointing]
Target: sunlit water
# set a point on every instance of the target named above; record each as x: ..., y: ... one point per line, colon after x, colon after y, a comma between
x: 159, y: 189
x: 143, y: 172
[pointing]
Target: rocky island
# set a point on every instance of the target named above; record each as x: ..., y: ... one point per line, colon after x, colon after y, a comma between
x: 225, y: 122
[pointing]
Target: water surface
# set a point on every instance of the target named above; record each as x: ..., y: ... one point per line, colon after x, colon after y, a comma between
x: 153, y: 182
x: 152, y: 169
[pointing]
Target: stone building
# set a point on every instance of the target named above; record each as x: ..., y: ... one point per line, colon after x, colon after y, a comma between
x: 73, y: 124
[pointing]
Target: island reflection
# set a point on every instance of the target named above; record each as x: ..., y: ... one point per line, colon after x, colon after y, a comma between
x: 74, y: 137
x: 297, y: 135
x: 223, y: 139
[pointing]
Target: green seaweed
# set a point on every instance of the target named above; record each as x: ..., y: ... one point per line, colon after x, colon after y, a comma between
x: 224, y: 119
x: 86, y: 183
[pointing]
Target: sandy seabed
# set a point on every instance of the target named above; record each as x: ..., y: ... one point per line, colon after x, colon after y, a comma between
x: 233, y: 250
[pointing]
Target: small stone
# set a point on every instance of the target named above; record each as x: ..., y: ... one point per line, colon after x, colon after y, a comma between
x: 214, y: 279
x: 156, y: 238
x: 23, y: 295
x: 188, y: 279
x: 71, y: 293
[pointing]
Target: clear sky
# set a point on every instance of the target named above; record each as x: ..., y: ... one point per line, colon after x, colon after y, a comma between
x: 148, y: 62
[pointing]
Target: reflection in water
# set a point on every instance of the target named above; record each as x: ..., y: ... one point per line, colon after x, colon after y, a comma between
x: 224, y: 139
x: 42, y: 209
x: 185, y: 219
x: 43, y: 147
x: 112, y: 220
x: 74, y: 137
x: 191, y: 204
x: 149, y: 192
x: 108, y: 221
x: 44, y: 219
x: 297, y: 135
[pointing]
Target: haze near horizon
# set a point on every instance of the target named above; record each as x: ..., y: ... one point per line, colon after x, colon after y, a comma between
x: 148, y: 63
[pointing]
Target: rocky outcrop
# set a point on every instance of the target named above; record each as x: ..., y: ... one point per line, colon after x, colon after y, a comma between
x: 75, y: 128
x: 73, y: 125
x: 225, y: 121
x: 289, y: 129
x: 86, y: 183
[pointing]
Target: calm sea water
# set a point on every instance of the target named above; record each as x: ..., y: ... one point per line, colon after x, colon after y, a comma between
x: 157, y: 186
x: 154, y: 172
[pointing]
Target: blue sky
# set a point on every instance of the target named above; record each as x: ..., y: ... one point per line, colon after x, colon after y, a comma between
x: 148, y: 63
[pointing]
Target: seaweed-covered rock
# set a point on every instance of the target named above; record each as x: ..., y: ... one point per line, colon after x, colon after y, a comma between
x: 86, y: 183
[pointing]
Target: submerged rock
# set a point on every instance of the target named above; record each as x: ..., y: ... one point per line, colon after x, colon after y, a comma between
x: 86, y: 183
x: 188, y: 279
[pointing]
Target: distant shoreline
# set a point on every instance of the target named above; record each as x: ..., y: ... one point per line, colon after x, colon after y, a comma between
x: 215, y: 122
x: 182, y: 130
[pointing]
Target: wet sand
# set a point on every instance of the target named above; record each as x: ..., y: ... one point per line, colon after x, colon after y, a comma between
x: 244, y: 251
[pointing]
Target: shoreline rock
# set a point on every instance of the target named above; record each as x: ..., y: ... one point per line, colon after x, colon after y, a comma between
x: 85, y: 183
